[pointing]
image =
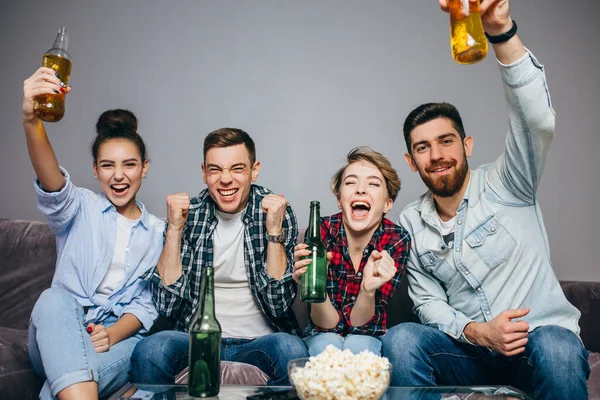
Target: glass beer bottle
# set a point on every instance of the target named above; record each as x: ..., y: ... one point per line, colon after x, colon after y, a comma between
x: 467, y: 38
x: 314, y: 281
x: 204, y: 376
x: 51, y: 107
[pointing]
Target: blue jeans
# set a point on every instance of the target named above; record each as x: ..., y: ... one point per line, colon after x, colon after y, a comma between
x: 553, y: 366
x: 355, y: 343
x: 61, y: 351
x: 159, y: 357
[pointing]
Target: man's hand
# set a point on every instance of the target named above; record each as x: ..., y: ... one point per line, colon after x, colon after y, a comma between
x: 178, y: 206
x: 274, y: 205
x: 99, y: 337
x: 300, y: 265
x: 501, y: 333
x: 379, y: 269
x: 495, y: 15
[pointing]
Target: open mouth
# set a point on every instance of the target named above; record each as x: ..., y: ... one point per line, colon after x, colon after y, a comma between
x: 440, y: 169
x: 360, y: 209
x: 228, y: 192
x: 119, y: 189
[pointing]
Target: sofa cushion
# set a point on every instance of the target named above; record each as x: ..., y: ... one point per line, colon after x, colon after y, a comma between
x: 233, y: 373
x: 27, y: 261
x: 17, y: 380
x: 593, y: 382
x: 586, y: 297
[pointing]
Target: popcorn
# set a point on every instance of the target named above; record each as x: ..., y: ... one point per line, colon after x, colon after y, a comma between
x: 342, y: 375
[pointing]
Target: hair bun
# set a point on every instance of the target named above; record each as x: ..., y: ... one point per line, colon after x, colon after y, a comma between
x: 116, y: 122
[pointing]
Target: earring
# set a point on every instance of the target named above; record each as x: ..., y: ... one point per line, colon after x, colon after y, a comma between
x: 95, y: 176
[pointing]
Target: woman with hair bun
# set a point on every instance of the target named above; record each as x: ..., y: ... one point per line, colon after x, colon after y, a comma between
x: 84, y: 328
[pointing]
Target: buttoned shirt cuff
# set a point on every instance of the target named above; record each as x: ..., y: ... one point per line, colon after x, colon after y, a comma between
x: 456, y: 327
x: 463, y: 337
x: 48, y: 201
x: 522, y: 71
x: 177, y: 288
x: 265, y: 280
x: 146, y: 318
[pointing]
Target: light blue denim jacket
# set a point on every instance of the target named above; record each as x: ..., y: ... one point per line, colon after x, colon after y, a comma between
x: 85, y: 225
x: 500, y: 258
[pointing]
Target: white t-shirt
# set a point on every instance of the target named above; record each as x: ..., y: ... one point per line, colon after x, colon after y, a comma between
x: 236, y: 308
x: 116, y: 270
x: 447, y: 229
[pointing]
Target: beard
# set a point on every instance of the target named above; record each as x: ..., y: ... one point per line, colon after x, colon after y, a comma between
x: 448, y: 185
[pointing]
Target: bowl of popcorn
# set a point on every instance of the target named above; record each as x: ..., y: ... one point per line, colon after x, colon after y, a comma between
x: 340, y: 375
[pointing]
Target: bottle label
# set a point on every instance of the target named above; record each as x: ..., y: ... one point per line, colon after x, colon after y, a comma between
x: 465, y: 5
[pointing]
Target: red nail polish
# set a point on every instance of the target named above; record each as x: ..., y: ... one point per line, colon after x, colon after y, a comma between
x: 62, y: 90
x: 89, y: 329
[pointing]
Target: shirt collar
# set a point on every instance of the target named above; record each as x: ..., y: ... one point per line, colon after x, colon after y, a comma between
x: 106, y: 205
x: 338, y: 232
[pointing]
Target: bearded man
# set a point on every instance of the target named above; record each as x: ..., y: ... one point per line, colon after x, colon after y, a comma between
x: 479, y: 269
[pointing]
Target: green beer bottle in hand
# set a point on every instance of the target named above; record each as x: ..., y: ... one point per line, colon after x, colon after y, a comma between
x: 204, y: 376
x: 313, y: 281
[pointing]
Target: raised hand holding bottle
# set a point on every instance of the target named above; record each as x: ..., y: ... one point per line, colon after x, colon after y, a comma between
x: 51, y: 107
x: 467, y: 38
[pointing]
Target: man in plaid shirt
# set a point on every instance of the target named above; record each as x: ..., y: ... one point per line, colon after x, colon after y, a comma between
x: 367, y: 255
x: 247, y: 234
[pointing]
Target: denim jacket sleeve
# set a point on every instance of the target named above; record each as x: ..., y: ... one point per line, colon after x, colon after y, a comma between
x: 516, y: 174
x: 428, y: 295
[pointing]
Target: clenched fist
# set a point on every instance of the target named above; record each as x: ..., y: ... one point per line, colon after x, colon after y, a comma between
x: 274, y: 205
x: 379, y: 269
x: 178, y: 206
x: 99, y: 337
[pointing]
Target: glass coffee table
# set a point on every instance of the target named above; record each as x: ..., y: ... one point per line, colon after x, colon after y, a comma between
x: 238, y: 392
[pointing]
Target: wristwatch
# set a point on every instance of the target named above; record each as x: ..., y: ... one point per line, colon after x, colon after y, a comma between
x: 276, y: 238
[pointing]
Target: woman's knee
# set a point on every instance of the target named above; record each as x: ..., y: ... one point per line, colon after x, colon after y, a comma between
x: 359, y: 343
x: 54, y: 299
x: 319, y: 341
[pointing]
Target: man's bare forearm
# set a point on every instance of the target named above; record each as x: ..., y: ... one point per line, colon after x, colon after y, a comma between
x: 276, y: 260
x: 169, y: 265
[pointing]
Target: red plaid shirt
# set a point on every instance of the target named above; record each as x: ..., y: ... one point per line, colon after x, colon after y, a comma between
x: 343, y: 283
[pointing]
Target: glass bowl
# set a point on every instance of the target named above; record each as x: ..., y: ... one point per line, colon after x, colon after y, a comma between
x: 338, y: 383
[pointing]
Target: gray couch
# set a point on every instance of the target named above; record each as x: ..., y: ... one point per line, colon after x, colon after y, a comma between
x: 27, y: 258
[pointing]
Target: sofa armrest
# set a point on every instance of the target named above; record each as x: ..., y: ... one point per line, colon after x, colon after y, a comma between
x: 586, y: 297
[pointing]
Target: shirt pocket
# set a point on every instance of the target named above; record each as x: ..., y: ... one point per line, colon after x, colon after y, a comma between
x: 438, y: 267
x: 491, y: 241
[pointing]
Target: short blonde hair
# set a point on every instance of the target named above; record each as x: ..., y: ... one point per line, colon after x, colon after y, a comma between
x: 365, y: 153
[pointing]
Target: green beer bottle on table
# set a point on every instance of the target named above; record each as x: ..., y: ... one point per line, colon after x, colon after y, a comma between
x: 204, y: 376
x: 313, y: 281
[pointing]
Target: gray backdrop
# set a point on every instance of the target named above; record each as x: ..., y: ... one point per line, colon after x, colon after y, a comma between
x: 309, y: 80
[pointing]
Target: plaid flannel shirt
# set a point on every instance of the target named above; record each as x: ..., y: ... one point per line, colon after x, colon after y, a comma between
x: 343, y: 283
x: 179, y: 300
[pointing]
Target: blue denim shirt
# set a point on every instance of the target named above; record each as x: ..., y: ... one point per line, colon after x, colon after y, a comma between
x: 500, y: 258
x: 85, y: 225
